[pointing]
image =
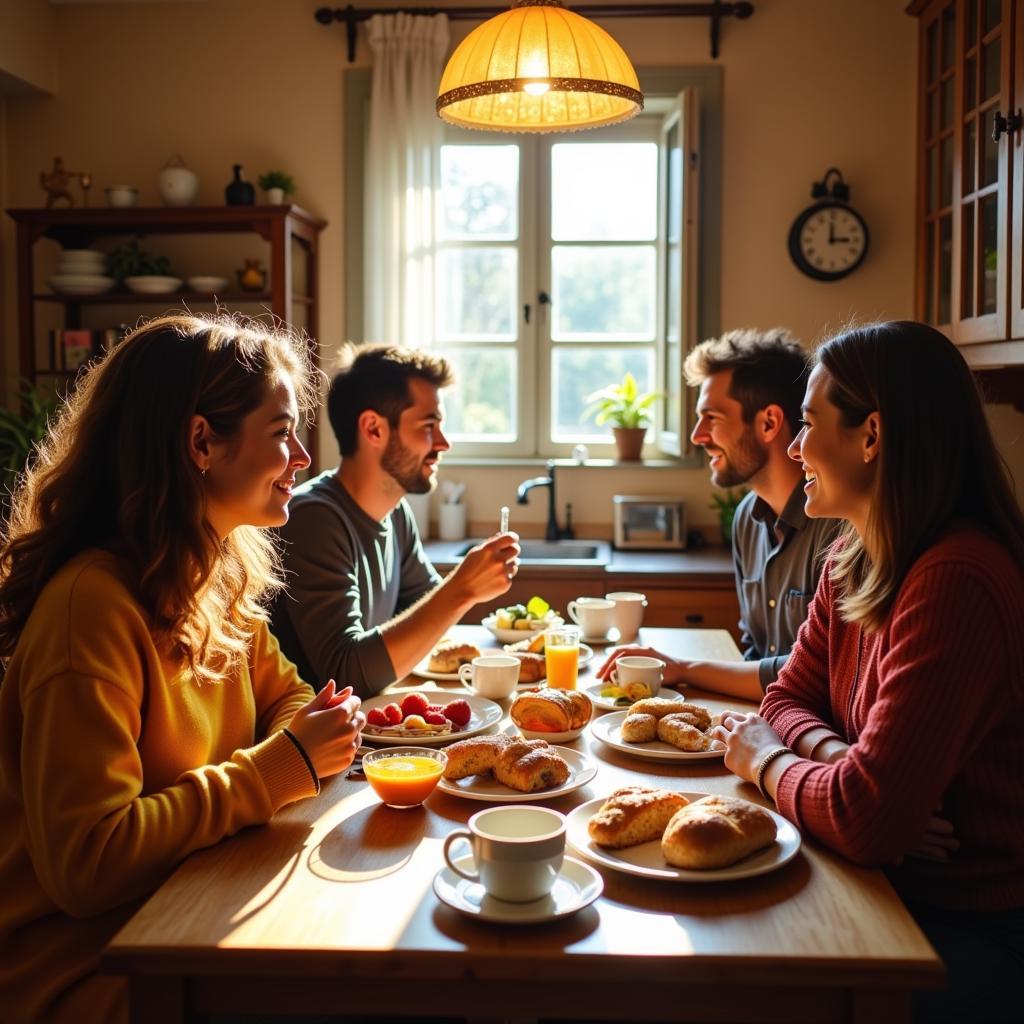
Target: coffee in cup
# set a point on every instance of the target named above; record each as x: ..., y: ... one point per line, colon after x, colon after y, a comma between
x: 517, y: 851
x: 627, y: 614
x: 494, y: 676
x: 636, y: 668
x: 595, y: 615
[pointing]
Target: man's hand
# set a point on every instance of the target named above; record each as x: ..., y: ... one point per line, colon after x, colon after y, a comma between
x: 487, y: 570
x: 329, y: 728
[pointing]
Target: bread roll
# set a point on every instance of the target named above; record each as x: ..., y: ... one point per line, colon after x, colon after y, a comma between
x: 448, y: 655
x: 475, y: 756
x: 551, y: 710
x: 532, y: 667
x: 633, y: 815
x: 530, y: 766
x: 639, y: 728
x: 681, y: 734
x: 657, y: 706
x: 716, y: 831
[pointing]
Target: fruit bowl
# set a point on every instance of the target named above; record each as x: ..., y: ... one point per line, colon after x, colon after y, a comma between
x: 510, y: 636
x: 404, y: 777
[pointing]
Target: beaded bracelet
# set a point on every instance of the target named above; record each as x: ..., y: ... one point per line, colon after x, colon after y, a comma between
x: 763, y: 767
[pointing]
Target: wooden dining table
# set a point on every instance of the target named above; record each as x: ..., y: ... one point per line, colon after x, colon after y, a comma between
x: 329, y: 909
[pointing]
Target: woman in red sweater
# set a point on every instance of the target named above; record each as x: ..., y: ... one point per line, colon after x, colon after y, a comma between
x: 893, y: 735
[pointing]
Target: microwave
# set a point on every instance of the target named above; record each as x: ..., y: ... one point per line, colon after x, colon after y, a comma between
x: 649, y: 522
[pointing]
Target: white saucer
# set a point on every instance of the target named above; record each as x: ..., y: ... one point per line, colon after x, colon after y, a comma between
x: 576, y: 887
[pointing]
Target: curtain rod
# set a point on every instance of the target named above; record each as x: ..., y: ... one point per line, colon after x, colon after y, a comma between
x: 714, y: 11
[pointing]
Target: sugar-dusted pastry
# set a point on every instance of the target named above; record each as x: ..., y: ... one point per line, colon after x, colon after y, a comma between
x: 700, y: 717
x: 657, y: 706
x: 681, y: 734
x: 530, y: 766
x: 474, y: 756
x: 551, y: 710
x: 716, y: 831
x: 639, y: 728
x: 633, y: 815
x: 449, y: 654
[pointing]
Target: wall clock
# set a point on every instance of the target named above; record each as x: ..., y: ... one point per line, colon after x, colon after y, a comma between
x: 829, y: 239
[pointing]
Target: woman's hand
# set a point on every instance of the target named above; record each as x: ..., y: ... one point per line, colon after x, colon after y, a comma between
x: 747, y: 739
x: 671, y: 676
x: 329, y: 728
x: 937, y: 843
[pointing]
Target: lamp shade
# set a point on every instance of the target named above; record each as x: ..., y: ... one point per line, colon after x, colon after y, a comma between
x: 538, y: 68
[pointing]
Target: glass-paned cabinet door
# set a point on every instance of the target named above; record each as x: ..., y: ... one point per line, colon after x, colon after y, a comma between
x: 980, y: 231
x: 1014, y: 143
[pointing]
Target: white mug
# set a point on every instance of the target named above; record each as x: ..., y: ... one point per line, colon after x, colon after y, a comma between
x: 517, y: 851
x: 494, y: 676
x: 637, y: 668
x: 628, y: 613
x: 594, y: 614
x: 451, y: 521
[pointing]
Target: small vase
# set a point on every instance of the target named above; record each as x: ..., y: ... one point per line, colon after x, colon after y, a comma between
x: 275, y: 196
x: 176, y: 184
x: 630, y: 442
x: 239, y: 192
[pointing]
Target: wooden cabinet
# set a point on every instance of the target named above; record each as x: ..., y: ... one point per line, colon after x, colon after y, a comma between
x: 288, y: 235
x: 970, y: 249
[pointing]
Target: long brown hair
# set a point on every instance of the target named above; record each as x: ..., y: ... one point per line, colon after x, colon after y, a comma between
x: 114, y: 472
x: 937, y: 462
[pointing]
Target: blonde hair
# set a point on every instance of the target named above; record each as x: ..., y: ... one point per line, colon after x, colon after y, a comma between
x: 115, y: 472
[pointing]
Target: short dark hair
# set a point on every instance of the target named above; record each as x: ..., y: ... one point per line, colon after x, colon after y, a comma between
x: 377, y: 377
x: 768, y: 368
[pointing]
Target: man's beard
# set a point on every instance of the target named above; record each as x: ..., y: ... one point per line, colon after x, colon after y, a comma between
x: 738, y: 467
x: 405, y: 468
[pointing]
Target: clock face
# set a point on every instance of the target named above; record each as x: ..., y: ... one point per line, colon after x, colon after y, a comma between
x: 828, y: 241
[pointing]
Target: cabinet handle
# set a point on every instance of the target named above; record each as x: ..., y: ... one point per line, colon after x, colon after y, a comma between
x: 695, y: 619
x: 1004, y: 125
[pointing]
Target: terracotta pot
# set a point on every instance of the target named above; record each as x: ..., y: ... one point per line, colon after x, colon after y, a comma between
x: 630, y: 442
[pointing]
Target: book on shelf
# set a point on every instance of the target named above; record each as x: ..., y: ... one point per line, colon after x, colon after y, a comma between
x: 76, y: 348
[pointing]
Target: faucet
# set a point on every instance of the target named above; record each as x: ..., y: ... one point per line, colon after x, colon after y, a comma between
x: 552, y: 532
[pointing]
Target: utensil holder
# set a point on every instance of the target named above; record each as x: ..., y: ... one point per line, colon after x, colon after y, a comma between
x: 451, y: 522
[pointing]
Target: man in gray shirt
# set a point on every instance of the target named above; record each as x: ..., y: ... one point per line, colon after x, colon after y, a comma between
x: 748, y: 412
x: 364, y: 605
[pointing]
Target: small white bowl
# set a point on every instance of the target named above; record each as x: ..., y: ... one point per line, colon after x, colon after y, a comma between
x: 207, y: 284
x: 122, y: 195
x: 552, y: 737
x: 152, y: 284
x: 510, y: 636
x: 81, y: 284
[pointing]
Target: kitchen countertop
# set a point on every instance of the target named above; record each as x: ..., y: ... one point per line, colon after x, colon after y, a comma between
x: 710, y: 562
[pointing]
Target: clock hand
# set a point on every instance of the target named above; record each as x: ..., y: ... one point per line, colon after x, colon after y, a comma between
x: 831, y: 233
x: 838, y: 239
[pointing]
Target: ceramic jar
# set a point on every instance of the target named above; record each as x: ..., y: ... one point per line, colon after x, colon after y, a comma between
x: 176, y: 183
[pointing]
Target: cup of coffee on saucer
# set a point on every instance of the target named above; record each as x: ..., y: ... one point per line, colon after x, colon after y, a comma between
x: 595, y: 616
x: 494, y: 676
x: 627, y: 613
x: 636, y: 668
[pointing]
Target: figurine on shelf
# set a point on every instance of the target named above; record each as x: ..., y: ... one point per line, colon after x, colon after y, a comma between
x: 57, y: 183
x: 252, y: 277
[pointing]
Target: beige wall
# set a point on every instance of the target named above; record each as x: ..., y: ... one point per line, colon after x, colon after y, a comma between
x: 807, y: 85
x: 27, y: 57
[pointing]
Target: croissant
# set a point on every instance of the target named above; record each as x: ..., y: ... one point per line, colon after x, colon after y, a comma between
x: 530, y: 765
x: 551, y: 710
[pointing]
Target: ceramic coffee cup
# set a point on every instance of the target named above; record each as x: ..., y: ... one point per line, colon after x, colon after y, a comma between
x: 628, y: 613
x: 517, y: 851
x: 636, y: 668
x: 596, y: 615
x: 494, y: 676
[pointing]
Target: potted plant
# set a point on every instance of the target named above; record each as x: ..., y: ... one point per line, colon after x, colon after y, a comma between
x: 277, y: 185
x: 628, y: 410
x: 132, y: 260
x: 20, y: 432
x: 726, y: 504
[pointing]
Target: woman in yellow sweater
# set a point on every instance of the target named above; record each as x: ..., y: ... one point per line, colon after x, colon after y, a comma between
x: 146, y: 711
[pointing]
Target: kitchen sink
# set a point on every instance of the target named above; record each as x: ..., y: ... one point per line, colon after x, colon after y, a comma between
x: 560, y: 552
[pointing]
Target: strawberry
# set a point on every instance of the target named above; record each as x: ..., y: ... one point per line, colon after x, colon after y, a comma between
x: 434, y: 718
x: 435, y: 709
x: 414, y: 704
x: 393, y: 713
x: 458, y: 712
x: 376, y: 716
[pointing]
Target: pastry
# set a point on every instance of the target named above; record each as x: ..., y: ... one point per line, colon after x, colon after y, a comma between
x: 716, y: 831
x: 639, y: 728
x: 448, y: 655
x: 532, y: 667
x: 680, y: 733
x: 551, y: 710
x: 534, y: 645
x: 475, y: 756
x: 657, y: 706
x: 530, y: 765
x: 634, y: 815
x: 701, y: 715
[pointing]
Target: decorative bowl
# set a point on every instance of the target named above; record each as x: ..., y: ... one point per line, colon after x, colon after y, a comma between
x: 152, y: 284
x: 204, y: 283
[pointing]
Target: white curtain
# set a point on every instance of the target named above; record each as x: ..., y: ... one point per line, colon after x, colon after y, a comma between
x: 402, y: 176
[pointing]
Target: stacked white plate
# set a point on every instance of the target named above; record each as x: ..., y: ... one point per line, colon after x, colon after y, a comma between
x: 81, y: 272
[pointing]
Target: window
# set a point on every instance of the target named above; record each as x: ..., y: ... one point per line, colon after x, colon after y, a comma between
x: 565, y: 260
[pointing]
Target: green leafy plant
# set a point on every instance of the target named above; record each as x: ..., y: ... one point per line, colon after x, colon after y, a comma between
x: 726, y: 503
x: 622, y: 405
x: 277, y: 179
x: 21, y: 429
x: 132, y: 260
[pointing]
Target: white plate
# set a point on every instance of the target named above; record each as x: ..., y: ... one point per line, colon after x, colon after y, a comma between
x: 423, y: 672
x: 485, y: 713
x: 608, y: 703
x: 576, y: 887
x: 207, y: 284
x: 484, y: 787
x: 81, y: 284
x: 608, y: 728
x: 647, y: 860
x: 152, y: 284
x: 510, y: 636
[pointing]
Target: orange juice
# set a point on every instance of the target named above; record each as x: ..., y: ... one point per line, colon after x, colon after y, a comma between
x: 403, y: 780
x: 562, y: 666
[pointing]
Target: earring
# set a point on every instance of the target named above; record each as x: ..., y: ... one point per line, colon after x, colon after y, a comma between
x: 203, y: 472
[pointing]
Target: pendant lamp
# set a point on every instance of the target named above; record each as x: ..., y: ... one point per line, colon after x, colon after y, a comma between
x: 538, y: 68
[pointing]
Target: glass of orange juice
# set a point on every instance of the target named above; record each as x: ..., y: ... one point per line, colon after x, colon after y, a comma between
x: 562, y: 654
x: 404, y: 776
